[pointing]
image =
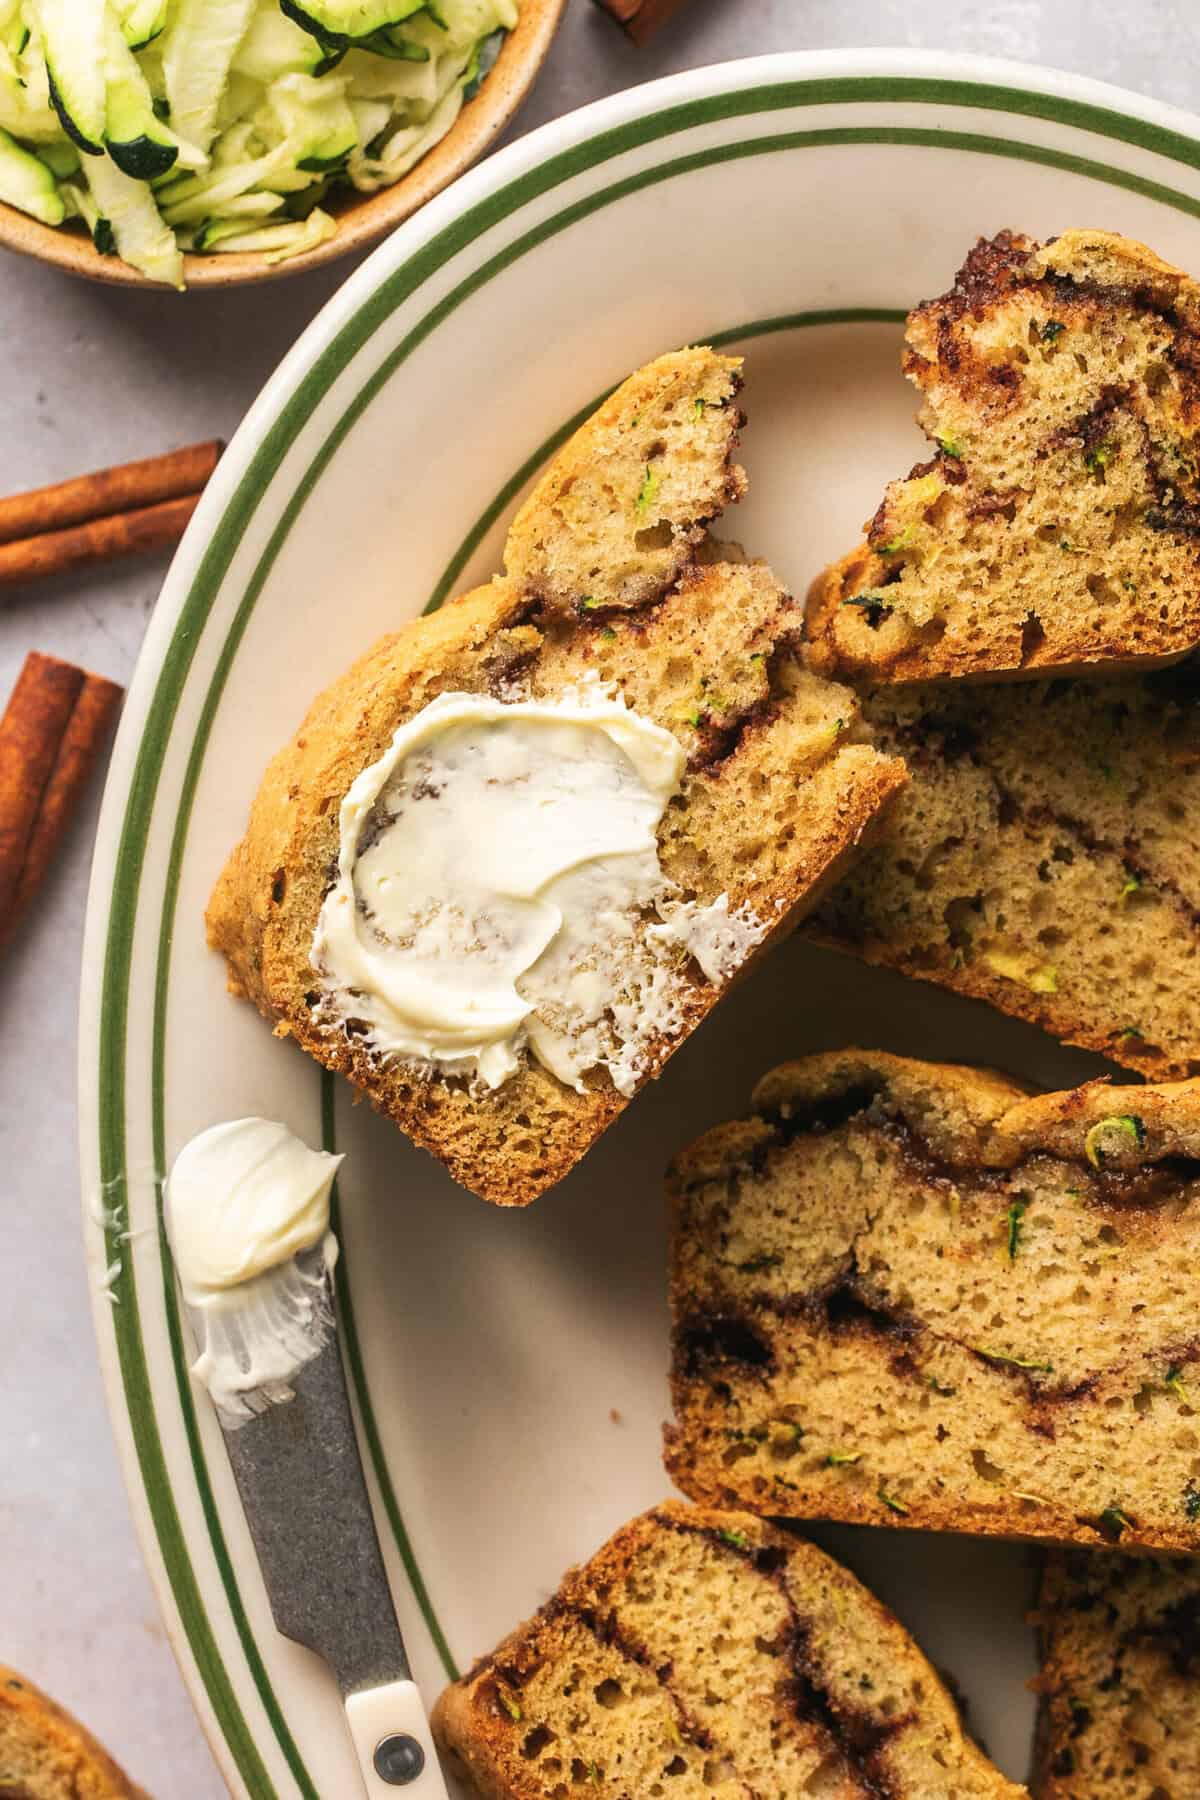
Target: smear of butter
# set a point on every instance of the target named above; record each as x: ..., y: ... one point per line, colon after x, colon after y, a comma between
x: 499, y: 891
x: 247, y: 1213
x: 720, y: 938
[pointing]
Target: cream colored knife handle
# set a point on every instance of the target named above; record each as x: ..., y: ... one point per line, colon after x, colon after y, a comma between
x: 394, y: 1743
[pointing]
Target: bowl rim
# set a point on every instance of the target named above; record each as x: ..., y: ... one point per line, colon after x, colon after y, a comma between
x: 1173, y: 127
x: 362, y: 219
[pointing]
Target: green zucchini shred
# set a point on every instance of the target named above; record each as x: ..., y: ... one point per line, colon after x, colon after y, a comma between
x: 1127, y: 1128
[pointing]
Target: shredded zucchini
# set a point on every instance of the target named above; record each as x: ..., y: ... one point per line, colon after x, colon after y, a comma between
x: 222, y: 125
x: 139, y: 232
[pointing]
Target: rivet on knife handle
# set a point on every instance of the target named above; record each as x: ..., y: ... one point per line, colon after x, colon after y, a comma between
x: 395, y: 1748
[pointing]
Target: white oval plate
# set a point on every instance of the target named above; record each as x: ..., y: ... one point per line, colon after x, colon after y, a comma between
x: 509, y: 1369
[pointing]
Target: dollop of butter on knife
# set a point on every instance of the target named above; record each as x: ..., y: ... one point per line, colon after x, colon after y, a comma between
x: 247, y: 1213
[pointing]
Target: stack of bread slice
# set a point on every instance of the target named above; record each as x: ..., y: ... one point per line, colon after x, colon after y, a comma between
x: 1046, y: 856
x: 922, y: 1296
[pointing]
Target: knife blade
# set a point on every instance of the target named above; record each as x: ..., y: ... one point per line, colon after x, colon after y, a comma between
x: 301, y: 1483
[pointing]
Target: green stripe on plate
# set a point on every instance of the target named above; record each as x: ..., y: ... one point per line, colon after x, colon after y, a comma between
x: 127, y: 1329
x: 197, y: 606
x: 187, y: 1405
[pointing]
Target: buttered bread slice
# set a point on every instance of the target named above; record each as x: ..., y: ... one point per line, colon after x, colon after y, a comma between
x: 908, y: 1294
x: 1119, y: 1688
x: 514, y: 855
x: 1057, y: 525
x: 710, y: 1656
x: 1043, y: 857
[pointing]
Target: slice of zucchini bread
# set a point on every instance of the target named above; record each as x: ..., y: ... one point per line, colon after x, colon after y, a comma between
x: 1045, y: 857
x: 909, y: 1294
x: 711, y: 1656
x: 45, y: 1754
x: 1057, y: 525
x: 777, y: 787
x: 1119, y: 1689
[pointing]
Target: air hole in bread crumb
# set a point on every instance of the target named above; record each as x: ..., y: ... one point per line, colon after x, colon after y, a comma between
x: 536, y: 1741
x: 1102, y: 589
x: 610, y: 1693
x: 985, y: 1468
x: 1033, y: 636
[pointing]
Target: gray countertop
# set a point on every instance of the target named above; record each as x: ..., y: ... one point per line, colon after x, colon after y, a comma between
x: 95, y: 375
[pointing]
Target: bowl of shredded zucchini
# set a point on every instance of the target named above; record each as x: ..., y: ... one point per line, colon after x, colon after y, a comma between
x: 189, y: 143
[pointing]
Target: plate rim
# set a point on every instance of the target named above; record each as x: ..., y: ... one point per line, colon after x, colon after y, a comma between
x: 659, y: 109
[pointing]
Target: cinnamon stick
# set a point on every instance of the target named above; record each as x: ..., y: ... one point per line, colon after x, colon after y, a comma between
x: 641, y: 18
x: 96, y: 540
x: 52, y: 735
x: 117, y: 490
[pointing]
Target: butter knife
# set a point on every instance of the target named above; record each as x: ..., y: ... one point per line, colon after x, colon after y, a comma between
x: 301, y: 1483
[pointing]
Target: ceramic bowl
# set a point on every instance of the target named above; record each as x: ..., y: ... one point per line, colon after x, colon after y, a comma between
x: 362, y: 219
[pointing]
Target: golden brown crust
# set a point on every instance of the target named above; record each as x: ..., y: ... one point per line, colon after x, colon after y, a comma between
x: 45, y: 1754
x: 967, y: 1114
x: 898, y: 1286
x: 1168, y: 1122
x: 659, y: 1616
x: 1055, y: 527
x: 714, y: 659
x: 955, y: 1108
x: 1052, y: 1013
